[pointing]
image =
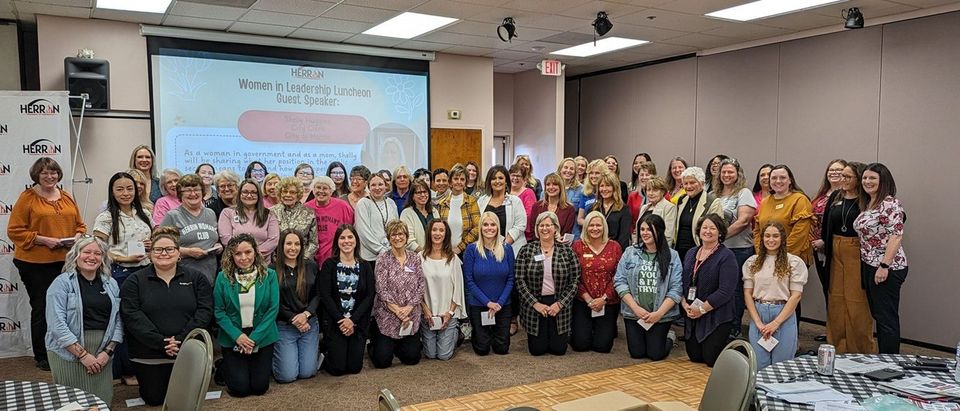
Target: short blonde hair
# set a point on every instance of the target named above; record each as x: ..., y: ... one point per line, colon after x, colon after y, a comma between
x: 395, y: 226
x: 590, y: 216
x: 291, y: 182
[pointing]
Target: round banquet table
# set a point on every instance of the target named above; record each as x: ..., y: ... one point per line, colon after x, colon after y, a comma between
x: 804, y: 368
x: 33, y: 395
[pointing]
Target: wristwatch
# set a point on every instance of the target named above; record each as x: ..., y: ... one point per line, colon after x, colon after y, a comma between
x: 109, y: 351
x: 884, y: 265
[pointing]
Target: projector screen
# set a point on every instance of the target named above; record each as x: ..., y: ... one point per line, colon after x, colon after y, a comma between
x: 229, y: 104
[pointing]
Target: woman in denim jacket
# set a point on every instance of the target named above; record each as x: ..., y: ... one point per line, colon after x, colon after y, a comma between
x: 648, y: 281
x: 84, y: 326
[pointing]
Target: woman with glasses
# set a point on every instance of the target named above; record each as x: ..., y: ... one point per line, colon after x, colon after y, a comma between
x: 330, y: 212
x: 206, y: 172
x: 418, y: 212
x: 256, y: 171
x: 293, y: 215
x: 397, y: 308
x: 159, y: 305
x: 738, y: 208
x: 304, y: 173
x: 713, y: 171
x: 251, y: 217
x: 169, y: 201
x: 338, y: 173
x: 83, y: 310
x: 830, y: 184
x: 43, y: 225
x: 197, y: 227
x: 246, y: 300
x: 359, y: 176
x: 227, y: 183
x: 526, y: 171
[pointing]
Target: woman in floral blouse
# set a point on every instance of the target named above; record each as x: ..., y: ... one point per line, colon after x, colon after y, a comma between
x: 291, y: 214
x: 397, y: 310
x: 596, y: 308
x: 883, y: 264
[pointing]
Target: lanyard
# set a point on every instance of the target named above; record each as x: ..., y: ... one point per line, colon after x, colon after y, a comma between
x: 697, y: 263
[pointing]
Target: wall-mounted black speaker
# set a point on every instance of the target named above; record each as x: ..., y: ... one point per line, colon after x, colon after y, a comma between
x: 91, y: 77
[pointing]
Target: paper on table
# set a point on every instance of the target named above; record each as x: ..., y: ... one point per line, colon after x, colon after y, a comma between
x: 136, y: 248
x: 73, y: 406
x: 860, y: 364
x: 768, y: 343
x: 594, y: 314
x: 436, y: 323
x: 816, y: 396
x: 837, y: 406
x: 793, y: 387
x: 406, y: 329
x: 644, y: 324
x: 488, y: 318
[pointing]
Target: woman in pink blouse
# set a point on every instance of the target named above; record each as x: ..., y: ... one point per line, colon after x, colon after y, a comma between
x: 251, y: 217
x: 883, y: 264
x: 397, y: 311
x: 519, y: 189
x: 597, y: 305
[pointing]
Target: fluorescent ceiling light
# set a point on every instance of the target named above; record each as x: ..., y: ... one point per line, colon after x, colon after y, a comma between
x: 602, y: 46
x: 145, y: 6
x: 409, y: 25
x: 768, y: 8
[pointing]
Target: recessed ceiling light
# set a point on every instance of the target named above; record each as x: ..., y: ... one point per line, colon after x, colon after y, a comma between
x: 768, y: 8
x: 144, y: 6
x: 602, y: 46
x: 409, y: 25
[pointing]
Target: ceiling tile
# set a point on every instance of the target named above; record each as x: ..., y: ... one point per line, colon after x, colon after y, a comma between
x: 399, y: 5
x: 352, y: 27
x: 669, y: 20
x: 590, y: 9
x: 182, y: 8
x: 547, y: 47
x: 800, y: 21
x: 307, y: 7
x: 262, y: 29
x: 374, y: 40
x: 870, y: 8
x: 700, y: 41
x: 469, y: 50
x: 542, y: 5
x: 278, y: 19
x: 449, y: 8
x: 357, y: 13
x: 746, y: 31
x: 699, y: 7
x: 196, y: 23
x: 926, y: 3
x: 554, y: 22
x: 133, y: 17
x: 423, y: 45
x: 53, y: 10
x: 473, y: 28
x: 320, y: 35
x: 636, y: 32
x: 68, y: 3
x: 467, y: 40
x: 492, y: 3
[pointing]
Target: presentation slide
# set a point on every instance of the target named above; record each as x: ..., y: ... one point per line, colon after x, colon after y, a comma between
x: 227, y: 111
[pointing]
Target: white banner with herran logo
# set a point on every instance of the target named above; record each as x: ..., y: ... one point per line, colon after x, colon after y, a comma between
x: 33, y: 124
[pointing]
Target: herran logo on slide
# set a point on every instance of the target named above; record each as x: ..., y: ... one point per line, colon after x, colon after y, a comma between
x: 40, y: 107
x: 42, y: 147
x: 5, y: 209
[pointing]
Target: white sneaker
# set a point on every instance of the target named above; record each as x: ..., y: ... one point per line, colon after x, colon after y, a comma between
x: 672, y: 336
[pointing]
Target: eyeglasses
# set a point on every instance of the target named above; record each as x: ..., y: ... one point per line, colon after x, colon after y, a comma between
x: 164, y: 250
x: 847, y: 177
x: 305, y: 173
x: 230, y: 186
x: 338, y: 173
x: 291, y: 192
x: 191, y: 190
x: 248, y: 193
x: 398, y: 235
x: 259, y: 171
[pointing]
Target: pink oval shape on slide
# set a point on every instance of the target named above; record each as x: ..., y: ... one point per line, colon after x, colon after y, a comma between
x: 290, y: 127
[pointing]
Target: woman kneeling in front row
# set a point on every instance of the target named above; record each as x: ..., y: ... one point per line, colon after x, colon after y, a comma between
x: 772, y: 286
x: 396, y: 308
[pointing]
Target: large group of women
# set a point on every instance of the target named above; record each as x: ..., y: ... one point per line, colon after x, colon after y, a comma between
x: 394, y: 264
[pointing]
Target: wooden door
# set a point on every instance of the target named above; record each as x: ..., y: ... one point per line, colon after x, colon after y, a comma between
x: 449, y: 146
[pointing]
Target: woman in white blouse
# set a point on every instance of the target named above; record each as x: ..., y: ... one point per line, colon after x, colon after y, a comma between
x: 371, y: 216
x: 443, y: 300
x: 507, y: 207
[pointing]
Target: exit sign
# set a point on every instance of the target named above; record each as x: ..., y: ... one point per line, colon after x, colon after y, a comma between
x: 551, y: 68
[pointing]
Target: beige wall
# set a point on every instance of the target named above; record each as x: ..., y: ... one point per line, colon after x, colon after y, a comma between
x: 503, y: 85
x: 885, y: 93
x: 538, y: 119
x: 463, y: 83
x: 9, y: 57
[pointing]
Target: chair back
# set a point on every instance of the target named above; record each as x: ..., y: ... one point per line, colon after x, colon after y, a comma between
x: 732, y: 382
x: 191, y: 373
x: 387, y: 401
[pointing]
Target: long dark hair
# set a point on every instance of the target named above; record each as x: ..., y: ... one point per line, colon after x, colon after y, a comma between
x: 671, y: 182
x: 336, y: 242
x: 113, y: 206
x: 781, y: 267
x: 229, y: 268
x: 280, y: 258
x: 756, y: 182
x: 492, y: 172
x: 658, y: 226
x: 446, y: 249
x: 248, y: 173
x: 886, y: 187
x: 709, y: 175
x: 344, y: 186
x: 634, y: 175
x: 414, y: 185
x: 261, y: 214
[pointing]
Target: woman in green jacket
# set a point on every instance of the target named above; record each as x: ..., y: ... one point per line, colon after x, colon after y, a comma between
x: 246, y: 299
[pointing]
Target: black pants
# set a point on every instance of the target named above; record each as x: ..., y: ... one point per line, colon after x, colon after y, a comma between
x: 593, y: 333
x: 153, y: 381
x: 824, y: 277
x: 739, y: 306
x: 496, y: 337
x: 37, y: 278
x: 247, y: 374
x: 122, y: 366
x: 383, y: 348
x: 709, y: 349
x: 884, y: 301
x: 344, y: 354
x: 652, y: 343
x: 547, y: 340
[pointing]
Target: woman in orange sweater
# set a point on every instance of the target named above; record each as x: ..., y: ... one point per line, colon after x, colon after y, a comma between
x: 43, y: 225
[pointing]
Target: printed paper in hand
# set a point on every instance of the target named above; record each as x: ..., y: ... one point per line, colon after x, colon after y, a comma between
x: 644, y: 324
x: 136, y: 248
x: 567, y: 238
x: 594, y: 314
x: 436, y: 323
x: 406, y: 329
x: 697, y: 302
x: 214, y: 249
x: 488, y: 318
x: 768, y: 343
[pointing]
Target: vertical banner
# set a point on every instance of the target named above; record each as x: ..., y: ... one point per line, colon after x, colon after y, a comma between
x: 33, y: 124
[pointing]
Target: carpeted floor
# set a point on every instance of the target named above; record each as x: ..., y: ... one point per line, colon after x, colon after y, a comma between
x: 430, y: 380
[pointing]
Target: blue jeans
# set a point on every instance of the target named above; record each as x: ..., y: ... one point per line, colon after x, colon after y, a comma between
x: 786, y: 334
x: 295, y: 353
x: 439, y: 344
x: 742, y: 254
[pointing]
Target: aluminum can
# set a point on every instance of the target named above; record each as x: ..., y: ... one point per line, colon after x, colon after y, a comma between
x: 826, y: 355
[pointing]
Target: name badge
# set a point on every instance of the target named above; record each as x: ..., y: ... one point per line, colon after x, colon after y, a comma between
x: 779, y: 206
x: 236, y: 219
x: 588, y: 256
x: 538, y: 257
x: 692, y: 293
x: 407, y: 269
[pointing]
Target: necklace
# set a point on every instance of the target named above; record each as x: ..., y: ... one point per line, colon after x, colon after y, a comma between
x: 843, y: 214
x: 383, y: 213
